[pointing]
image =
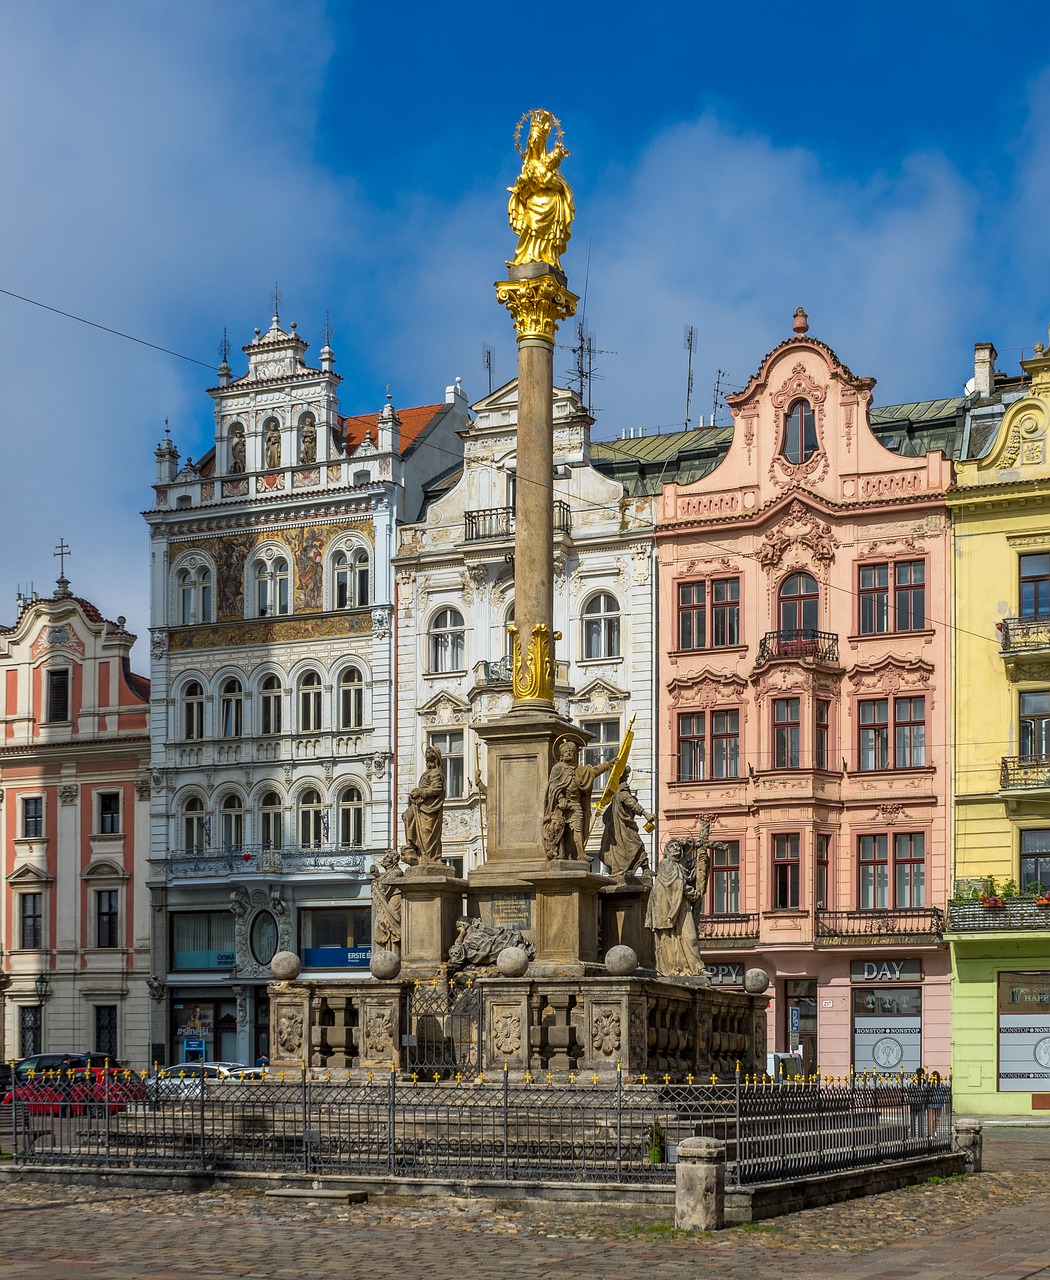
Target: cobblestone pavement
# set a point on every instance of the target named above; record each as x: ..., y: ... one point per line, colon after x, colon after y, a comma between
x: 989, y: 1225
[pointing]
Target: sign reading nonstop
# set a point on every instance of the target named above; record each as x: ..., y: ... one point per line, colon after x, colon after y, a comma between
x: 1024, y: 1032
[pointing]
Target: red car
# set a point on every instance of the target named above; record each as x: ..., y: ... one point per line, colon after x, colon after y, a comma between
x: 79, y: 1091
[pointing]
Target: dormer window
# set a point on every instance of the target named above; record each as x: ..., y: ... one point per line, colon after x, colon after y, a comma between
x: 800, y: 433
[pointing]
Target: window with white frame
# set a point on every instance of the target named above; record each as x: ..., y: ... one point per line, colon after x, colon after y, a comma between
x: 31, y: 920
x: 351, y: 817
x: 32, y: 817
x: 271, y: 821
x: 603, y: 746
x: 351, y: 579
x: 193, y: 711
x: 450, y: 743
x: 270, y: 705
x: 193, y: 828
x: 351, y: 699
x: 232, y: 708
x: 108, y: 813
x: 194, y: 589
x: 447, y: 642
x: 107, y: 917
x: 601, y: 627
x: 272, y: 577
x: 311, y: 819
x: 231, y: 817
x: 310, y: 690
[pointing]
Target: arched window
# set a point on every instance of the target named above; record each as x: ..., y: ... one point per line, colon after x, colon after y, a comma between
x: 193, y: 711
x: 447, y: 642
x: 232, y: 708
x: 352, y: 818
x: 271, y: 821
x: 193, y: 825
x: 800, y: 433
x: 194, y: 586
x: 232, y: 818
x: 351, y: 699
x: 270, y: 704
x: 272, y: 587
x: 310, y: 703
x: 350, y: 579
x: 311, y: 819
x: 799, y: 606
x: 601, y: 627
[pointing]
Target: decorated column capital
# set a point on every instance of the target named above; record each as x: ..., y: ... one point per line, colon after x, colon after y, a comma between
x: 537, y: 304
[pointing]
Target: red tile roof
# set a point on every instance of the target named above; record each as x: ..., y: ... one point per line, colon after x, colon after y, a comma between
x: 413, y: 423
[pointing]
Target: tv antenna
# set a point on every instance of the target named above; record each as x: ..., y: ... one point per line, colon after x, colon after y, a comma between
x: 488, y: 359
x: 585, y: 354
x: 690, y: 346
x: 717, y: 395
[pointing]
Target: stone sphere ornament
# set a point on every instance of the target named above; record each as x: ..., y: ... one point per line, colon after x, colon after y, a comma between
x: 285, y: 965
x: 621, y: 960
x: 512, y: 962
x: 756, y: 981
x: 385, y: 964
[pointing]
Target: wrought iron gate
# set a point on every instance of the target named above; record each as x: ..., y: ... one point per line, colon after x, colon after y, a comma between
x: 443, y: 1022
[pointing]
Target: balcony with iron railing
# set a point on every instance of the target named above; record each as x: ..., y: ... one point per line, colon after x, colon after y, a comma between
x: 1024, y: 773
x: 270, y: 860
x: 911, y: 925
x: 802, y: 642
x: 993, y: 913
x: 493, y: 523
x: 733, y: 929
x: 1023, y: 641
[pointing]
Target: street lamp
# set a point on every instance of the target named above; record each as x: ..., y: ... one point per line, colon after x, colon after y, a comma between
x: 43, y: 990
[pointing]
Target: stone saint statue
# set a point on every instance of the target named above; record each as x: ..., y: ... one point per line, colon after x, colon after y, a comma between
x: 622, y: 849
x: 541, y: 207
x: 422, y: 818
x: 237, y: 458
x: 308, y: 449
x: 273, y: 447
x: 386, y: 902
x: 478, y: 945
x: 567, y: 806
x: 670, y: 913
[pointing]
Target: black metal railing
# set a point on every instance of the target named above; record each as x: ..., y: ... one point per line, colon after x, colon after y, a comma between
x: 736, y: 927
x: 491, y: 1128
x: 499, y: 522
x: 997, y: 914
x: 889, y: 924
x: 1024, y: 633
x: 803, y: 642
x: 228, y: 860
x: 1024, y: 772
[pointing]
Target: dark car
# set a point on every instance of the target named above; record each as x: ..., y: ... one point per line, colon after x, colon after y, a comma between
x: 40, y: 1062
x: 78, y: 1091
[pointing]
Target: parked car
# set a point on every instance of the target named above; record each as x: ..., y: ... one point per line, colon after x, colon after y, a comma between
x: 78, y: 1091
x: 182, y: 1080
x: 37, y: 1063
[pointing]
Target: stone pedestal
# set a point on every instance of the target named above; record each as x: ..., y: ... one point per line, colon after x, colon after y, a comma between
x: 431, y: 903
x: 520, y: 751
x: 623, y: 909
x: 700, y: 1185
x: 565, y: 916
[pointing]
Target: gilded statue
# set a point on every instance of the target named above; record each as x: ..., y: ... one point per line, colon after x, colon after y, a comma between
x: 622, y: 848
x: 541, y: 207
x: 423, y: 815
x: 567, y: 806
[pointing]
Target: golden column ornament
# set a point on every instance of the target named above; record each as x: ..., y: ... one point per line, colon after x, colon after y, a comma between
x: 541, y: 210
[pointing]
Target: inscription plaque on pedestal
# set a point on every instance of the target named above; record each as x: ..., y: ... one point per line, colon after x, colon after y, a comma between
x: 514, y: 909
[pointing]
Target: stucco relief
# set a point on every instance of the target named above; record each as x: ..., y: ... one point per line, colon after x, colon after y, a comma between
x: 710, y: 564
x: 775, y: 681
x: 703, y: 689
x: 598, y: 698
x: 443, y: 710
x: 799, y: 527
x: 891, y: 675
x: 750, y: 416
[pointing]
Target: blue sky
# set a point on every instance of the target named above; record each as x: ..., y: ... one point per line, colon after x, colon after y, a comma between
x: 885, y: 166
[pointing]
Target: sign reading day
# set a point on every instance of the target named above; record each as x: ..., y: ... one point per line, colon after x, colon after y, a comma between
x: 1024, y: 1032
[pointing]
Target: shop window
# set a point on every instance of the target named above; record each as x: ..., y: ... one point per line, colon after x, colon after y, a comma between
x: 1024, y: 1026
x: 263, y: 937
x: 786, y: 858
x: 601, y: 627
x: 336, y: 937
x: 450, y: 743
x: 800, y: 433
x: 1034, y: 587
x: 887, y: 1030
x: 202, y: 940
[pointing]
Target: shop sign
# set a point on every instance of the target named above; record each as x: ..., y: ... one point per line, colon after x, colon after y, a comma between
x: 1024, y: 1032
x: 887, y: 1030
x: 726, y: 975
x: 885, y: 971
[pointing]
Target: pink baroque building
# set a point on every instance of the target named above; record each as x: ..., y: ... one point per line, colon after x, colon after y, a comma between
x: 804, y: 671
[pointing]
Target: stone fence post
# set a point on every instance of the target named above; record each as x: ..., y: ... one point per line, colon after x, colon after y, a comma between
x: 969, y: 1141
x: 700, y: 1185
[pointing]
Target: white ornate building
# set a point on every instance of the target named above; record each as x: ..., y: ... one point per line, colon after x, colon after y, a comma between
x: 454, y: 598
x: 74, y: 808
x: 272, y: 646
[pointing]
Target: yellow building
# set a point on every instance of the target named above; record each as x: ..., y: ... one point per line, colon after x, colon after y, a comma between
x: 998, y: 931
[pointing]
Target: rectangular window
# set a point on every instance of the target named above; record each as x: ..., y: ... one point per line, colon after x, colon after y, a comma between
x: 58, y: 696
x: 909, y: 863
x: 1035, y: 860
x: 725, y: 613
x: 874, y: 599
x: 604, y: 747
x: 450, y: 744
x: 203, y: 940
x: 1035, y: 723
x: 786, y: 848
x: 909, y: 595
x: 692, y: 747
x: 1035, y: 585
x: 29, y: 1029
x: 32, y: 817
x: 874, y: 734
x: 909, y: 733
x: 109, y: 813
x: 823, y: 870
x: 786, y: 733
x: 907, y: 887
x: 874, y: 872
x: 106, y: 1030
x: 31, y: 921
x: 821, y: 732
x: 725, y: 744
x: 725, y: 878
x: 336, y: 937
x: 106, y: 921
x: 692, y: 615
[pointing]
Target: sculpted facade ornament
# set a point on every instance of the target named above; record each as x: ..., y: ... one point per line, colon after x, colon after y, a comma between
x: 506, y: 1032
x: 799, y: 527
x: 381, y: 621
x: 289, y: 1032
x: 67, y: 793
x: 798, y: 386
x: 534, y: 670
x: 705, y: 689
x: 605, y: 1035
x: 157, y: 988
x: 537, y: 305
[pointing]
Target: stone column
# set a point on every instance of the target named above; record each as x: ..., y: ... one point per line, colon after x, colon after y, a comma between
x: 700, y: 1185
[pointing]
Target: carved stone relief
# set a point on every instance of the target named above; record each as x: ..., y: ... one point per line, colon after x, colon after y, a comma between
x: 605, y: 1033
x: 506, y: 1031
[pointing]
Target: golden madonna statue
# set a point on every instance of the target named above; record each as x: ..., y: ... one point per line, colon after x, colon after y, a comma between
x: 541, y: 208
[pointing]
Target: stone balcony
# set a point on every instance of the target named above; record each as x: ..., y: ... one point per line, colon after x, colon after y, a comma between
x: 911, y: 925
x: 1015, y: 915
x: 245, y: 860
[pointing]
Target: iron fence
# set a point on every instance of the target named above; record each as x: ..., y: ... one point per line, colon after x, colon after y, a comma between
x: 579, y: 1128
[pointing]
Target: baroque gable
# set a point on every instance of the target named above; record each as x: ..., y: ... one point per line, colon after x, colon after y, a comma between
x: 600, y: 697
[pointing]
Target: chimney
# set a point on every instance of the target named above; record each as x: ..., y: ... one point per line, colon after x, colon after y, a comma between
x: 984, y: 368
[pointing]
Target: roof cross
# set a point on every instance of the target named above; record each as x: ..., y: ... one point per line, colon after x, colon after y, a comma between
x: 61, y: 551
